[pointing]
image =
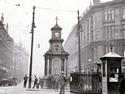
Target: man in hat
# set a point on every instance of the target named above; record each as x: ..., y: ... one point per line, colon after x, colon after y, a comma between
x: 25, y: 80
x: 62, y: 83
x: 122, y: 85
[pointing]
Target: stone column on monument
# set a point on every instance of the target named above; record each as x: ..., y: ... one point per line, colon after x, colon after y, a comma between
x: 50, y: 66
x: 45, y: 69
x: 66, y: 66
x: 62, y: 64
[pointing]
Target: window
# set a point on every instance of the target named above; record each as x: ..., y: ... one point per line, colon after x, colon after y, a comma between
x: 109, y: 32
x: 91, y: 21
x: 123, y: 13
x: 110, y: 48
x: 112, y: 15
x: 91, y: 35
x: 109, y: 15
x: 87, y: 37
x: 106, y: 16
x: 113, y: 68
x: 88, y: 25
x: 123, y: 27
x: 104, y: 71
x: 85, y: 25
x: 56, y: 47
x: 84, y: 37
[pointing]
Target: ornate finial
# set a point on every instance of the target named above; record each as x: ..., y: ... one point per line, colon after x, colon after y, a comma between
x: 7, y: 26
x: 2, y: 18
x: 111, y: 47
x: 57, y: 19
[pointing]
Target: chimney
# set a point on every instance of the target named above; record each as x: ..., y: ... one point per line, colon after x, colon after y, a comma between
x: 96, y: 2
x: 2, y: 18
x: 7, y: 26
x: 118, y: 0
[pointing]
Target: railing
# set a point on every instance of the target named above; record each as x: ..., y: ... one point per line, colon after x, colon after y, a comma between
x: 85, y: 83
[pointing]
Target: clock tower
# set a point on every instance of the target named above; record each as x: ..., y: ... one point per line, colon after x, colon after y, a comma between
x: 55, y: 58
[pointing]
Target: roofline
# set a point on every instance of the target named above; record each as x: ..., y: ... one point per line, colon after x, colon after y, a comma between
x: 102, y: 5
x: 104, y: 57
x: 56, y: 27
x: 56, y: 40
x: 53, y: 55
x: 109, y: 3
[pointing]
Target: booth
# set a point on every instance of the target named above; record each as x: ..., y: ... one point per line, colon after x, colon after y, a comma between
x: 111, y: 73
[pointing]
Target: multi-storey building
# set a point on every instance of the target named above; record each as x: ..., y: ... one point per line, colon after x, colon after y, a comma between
x: 103, y: 26
x: 6, y: 51
x: 20, y: 62
x: 13, y: 58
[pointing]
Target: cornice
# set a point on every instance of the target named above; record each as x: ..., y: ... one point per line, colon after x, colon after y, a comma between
x: 56, y: 40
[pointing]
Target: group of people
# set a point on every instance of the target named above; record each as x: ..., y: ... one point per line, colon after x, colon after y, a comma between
x: 37, y: 82
x: 60, y: 81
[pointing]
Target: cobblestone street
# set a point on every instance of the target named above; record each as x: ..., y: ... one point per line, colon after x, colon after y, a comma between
x: 20, y: 90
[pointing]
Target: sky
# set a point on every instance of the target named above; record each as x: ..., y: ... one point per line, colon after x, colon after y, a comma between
x: 19, y: 19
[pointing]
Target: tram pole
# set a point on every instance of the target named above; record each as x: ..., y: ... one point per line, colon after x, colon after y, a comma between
x: 79, y: 50
x: 31, y: 55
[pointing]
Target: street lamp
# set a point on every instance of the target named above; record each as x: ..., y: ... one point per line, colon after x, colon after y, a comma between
x: 31, y: 56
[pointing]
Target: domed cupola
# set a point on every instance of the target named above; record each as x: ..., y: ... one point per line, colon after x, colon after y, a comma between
x: 56, y: 27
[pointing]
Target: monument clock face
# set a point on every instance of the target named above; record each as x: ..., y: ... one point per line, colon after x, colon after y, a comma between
x: 56, y: 34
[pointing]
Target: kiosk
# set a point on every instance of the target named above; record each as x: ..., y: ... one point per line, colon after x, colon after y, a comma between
x: 111, y: 72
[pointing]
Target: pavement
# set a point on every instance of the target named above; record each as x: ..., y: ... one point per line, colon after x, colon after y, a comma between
x: 20, y: 90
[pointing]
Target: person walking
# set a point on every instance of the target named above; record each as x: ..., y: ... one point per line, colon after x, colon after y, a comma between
x: 62, y: 83
x: 39, y: 82
x: 25, y: 81
x: 122, y: 85
x: 35, y: 82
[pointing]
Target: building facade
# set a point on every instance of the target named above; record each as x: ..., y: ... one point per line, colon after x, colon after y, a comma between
x: 21, y: 59
x: 6, y: 51
x: 102, y: 28
x: 13, y: 58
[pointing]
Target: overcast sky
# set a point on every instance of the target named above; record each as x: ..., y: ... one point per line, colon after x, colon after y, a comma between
x: 19, y: 19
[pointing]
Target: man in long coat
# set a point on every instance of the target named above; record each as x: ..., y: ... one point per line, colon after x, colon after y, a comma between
x: 122, y: 85
x: 62, y: 83
x: 25, y: 80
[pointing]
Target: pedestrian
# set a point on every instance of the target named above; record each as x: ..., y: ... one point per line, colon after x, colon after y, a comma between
x: 122, y: 85
x: 35, y: 82
x: 62, y: 83
x: 25, y: 81
x: 53, y: 82
x: 56, y: 82
x: 39, y: 82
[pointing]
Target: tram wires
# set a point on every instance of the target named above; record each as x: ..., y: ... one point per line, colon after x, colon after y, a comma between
x: 59, y: 10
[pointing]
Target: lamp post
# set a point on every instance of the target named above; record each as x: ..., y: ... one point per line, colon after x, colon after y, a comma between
x: 31, y: 56
x: 79, y: 50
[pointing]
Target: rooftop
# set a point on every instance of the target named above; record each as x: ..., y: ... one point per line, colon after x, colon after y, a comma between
x: 56, y: 27
x: 111, y: 55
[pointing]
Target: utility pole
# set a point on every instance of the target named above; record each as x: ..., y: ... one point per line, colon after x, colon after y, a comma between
x: 79, y: 50
x: 31, y: 56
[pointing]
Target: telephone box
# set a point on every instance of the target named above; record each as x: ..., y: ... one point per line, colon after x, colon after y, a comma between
x: 111, y: 72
